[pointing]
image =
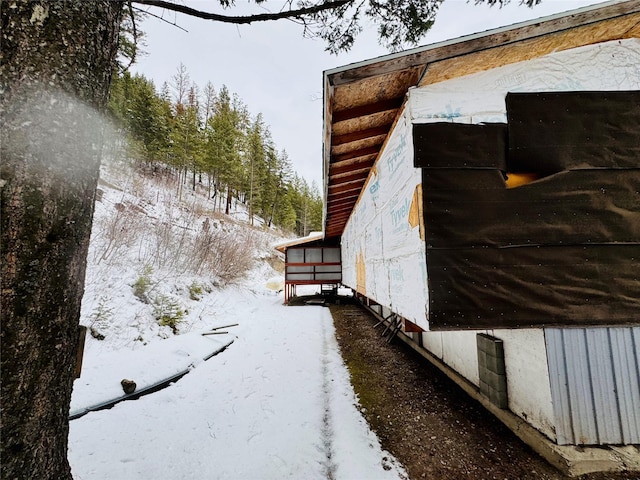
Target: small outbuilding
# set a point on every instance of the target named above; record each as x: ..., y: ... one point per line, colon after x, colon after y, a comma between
x: 311, y: 260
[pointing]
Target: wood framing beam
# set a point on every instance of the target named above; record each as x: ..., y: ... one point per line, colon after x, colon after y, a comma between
x: 374, y: 120
x: 340, y: 207
x: 354, y: 167
x: 341, y: 201
x: 335, y: 232
x: 360, y: 134
x: 349, y: 177
x: 338, y: 187
x: 340, y: 219
x: 339, y: 211
x: 368, y: 109
x: 366, y: 159
x: 348, y: 207
x: 331, y: 197
x: 361, y: 152
x: 351, y: 187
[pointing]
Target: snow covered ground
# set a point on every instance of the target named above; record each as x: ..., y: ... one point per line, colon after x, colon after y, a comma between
x: 277, y: 403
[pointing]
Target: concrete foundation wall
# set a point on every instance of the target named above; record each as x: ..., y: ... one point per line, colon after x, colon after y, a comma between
x: 528, y: 377
x: 528, y: 384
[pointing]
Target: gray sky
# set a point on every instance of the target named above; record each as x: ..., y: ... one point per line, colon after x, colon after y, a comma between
x: 274, y: 70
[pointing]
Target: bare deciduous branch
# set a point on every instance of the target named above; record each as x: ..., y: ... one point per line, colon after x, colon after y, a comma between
x: 261, y: 17
x: 174, y: 24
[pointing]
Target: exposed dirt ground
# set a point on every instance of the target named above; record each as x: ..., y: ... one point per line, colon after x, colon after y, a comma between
x: 426, y: 421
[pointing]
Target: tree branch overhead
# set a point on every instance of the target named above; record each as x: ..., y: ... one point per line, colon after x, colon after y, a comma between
x: 248, y: 19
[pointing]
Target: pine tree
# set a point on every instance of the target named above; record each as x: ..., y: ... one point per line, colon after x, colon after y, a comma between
x: 209, y: 98
x: 315, y: 208
x: 143, y: 115
x: 255, y: 165
x: 286, y: 215
x: 223, y: 140
x: 185, y: 132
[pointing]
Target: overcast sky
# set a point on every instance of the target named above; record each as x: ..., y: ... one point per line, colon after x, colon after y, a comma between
x: 277, y: 72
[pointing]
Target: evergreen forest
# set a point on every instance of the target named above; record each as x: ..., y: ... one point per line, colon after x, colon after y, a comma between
x: 208, y: 138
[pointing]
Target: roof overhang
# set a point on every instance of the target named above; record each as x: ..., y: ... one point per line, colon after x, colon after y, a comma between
x: 362, y: 101
x: 316, y: 239
x: 309, y: 239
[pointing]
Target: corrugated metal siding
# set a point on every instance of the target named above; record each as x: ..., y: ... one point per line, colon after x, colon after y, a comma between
x: 595, y: 384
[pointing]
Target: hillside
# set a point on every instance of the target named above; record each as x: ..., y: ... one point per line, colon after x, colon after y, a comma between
x: 158, y: 255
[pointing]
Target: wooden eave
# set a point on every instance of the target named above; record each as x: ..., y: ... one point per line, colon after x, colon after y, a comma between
x: 362, y: 101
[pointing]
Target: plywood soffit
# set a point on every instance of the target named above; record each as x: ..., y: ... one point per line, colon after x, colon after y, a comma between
x: 362, y: 101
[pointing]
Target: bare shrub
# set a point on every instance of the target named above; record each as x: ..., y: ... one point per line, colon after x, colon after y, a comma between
x: 117, y: 231
x: 233, y: 256
x: 186, y: 238
x: 173, y: 245
x: 201, y: 209
x: 139, y: 187
x: 276, y: 262
x: 162, y: 239
x: 227, y: 255
x: 202, y: 250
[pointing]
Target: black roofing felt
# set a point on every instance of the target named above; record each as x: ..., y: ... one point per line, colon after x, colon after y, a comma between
x: 563, y: 250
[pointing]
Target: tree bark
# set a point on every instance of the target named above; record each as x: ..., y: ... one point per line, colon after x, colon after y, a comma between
x: 228, y: 205
x: 55, y: 69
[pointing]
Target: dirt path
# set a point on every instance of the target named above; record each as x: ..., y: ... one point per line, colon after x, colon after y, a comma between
x: 426, y: 421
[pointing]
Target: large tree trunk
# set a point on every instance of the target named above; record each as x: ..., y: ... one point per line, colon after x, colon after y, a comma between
x: 56, y: 65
